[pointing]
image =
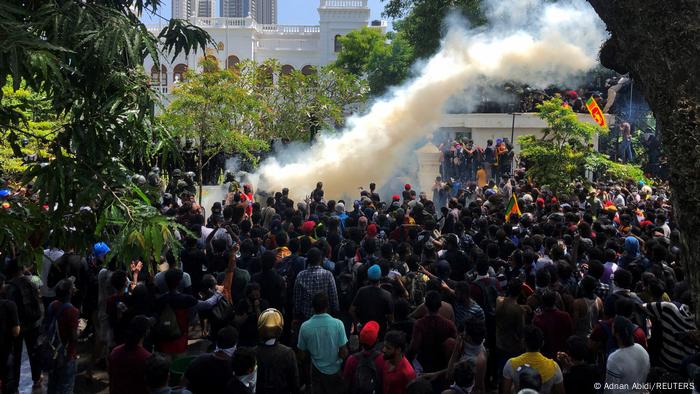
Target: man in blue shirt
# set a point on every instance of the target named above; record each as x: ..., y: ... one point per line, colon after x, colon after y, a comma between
x: 323, y: 338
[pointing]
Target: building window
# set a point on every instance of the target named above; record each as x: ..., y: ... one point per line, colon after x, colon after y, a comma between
x: 337, y: 46
x: 163, y: 76
x: 179, y: 73
x: 287, y: 69
x: 155, y: 76
x: 308, y: 70
x: 232, y: 61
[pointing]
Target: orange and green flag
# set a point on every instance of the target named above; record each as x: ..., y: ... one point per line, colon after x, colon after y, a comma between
x: 512, y: 207
x: 596, y: 112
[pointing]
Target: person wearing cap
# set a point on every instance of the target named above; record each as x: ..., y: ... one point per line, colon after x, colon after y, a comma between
x: 368, y: 343
x: 129, y: 357
x: 209, y: 373
x: 372, y: 303
x: 550, y: 373
x: 323, y: 339
x: 62, y: 378
x: 278, y: 370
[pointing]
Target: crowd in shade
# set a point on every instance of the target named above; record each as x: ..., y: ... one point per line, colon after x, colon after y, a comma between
x: 486, y: 288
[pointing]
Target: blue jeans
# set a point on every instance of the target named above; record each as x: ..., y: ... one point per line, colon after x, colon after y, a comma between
x: 626, y: 151
x: 62, y: 380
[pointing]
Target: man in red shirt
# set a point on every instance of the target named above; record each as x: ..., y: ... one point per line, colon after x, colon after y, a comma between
x: 130, y: 357
x: 394, y: 368
x: 556, y: 325
x: 430, y: 334
x: 368, y: 340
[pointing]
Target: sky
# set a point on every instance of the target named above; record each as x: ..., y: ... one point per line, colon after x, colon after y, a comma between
x: 291, y: 12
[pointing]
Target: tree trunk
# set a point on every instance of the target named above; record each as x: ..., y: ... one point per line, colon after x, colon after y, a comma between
x: 658, y: 43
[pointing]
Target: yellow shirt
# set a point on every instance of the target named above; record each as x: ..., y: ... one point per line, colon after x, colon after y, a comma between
x: 481, y: 177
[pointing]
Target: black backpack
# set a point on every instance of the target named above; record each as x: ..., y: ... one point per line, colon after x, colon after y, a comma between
x: 53, y: 353
x: 366, y: 378
x: 167, y: 327
x: 29, y: 306
x: 490, y: 296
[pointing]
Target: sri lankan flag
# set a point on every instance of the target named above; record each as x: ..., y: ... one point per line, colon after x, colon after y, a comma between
x: 596, y: 112
x: 512, y: 207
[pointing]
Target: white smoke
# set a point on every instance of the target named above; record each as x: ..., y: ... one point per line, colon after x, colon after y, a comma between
x: 528, y: 41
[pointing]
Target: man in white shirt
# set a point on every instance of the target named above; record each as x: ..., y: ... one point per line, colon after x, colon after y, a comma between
x: 628, y: 366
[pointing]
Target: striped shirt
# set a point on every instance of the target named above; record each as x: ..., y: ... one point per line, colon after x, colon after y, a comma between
x: 673, y: 321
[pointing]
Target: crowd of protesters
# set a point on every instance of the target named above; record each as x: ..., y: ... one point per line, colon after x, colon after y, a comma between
x: 578, y: 293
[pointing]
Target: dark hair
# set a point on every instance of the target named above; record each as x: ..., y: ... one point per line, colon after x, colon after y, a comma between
x: 314, y: 257
x: 157, y: 372
x: 243, y: 361
x: 596, y: 269
x: 475, y: 329
x: 320, y: 302
x: 623, y: 278
x: 577, y: 347
x: 268, y: 260
x: 514, y: 287
x: 433, y: 301
x: 173, y: 277
x: 464, y: 373
x: 396, y: 339
x: 118, y: 280
x: 624, y: 330
x: 533, y: 338
x: 226, y: 337
x: 549, y: 298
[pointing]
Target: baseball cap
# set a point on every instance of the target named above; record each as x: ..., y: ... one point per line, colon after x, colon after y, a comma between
x: 369, y: 333
x: 374, y: 272
x: 100, y: 249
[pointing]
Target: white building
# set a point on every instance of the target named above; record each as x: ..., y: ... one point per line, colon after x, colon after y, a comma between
x: 241, y: 38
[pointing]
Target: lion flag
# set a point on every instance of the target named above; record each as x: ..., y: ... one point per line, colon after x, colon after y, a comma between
x: 596, y: 112
x: 512, y: 207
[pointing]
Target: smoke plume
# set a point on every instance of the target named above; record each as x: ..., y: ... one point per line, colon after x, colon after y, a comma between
x: 527, y: 41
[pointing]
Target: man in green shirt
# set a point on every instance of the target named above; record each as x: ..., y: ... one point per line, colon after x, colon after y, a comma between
x: 323, y: 338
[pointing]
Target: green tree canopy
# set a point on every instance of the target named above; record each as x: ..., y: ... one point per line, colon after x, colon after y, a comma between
x: 383, y: 59
x: 86, y: 58
x: 423, y: 21
x: 564, y: 152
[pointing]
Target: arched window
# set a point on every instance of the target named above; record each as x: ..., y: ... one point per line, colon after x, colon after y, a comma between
x: 336, y: 44
x: 179, y: 73
x: 163, y: 75
x: 232, y: 61
x: 155, y: 76
x: 287, y: 69
x: 308, y: 70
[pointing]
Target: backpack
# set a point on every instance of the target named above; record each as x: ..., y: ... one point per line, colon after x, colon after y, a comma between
x: 222, y: 310
x: 167, y: 327
x: 52, y: 351
x: 490, y: 295
x: 29, y: 306
x: 366, y: 377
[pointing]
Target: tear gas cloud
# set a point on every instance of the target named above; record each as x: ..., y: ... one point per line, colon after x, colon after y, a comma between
x: 528, y: 41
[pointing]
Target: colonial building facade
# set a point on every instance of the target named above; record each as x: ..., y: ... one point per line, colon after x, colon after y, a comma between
x: 296, y: 47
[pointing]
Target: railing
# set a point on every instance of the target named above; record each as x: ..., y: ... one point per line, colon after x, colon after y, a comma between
x: 239, y: 23
x: 290, y: 29
x: 343, y: 3
x: 288, y: 45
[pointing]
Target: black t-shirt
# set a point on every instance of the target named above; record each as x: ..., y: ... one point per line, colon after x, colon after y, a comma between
x: 459, y: 264
x: 373, y: 303
x: 208, y: 374
x: 579, y: 379
x: 272, y: 288
x: 8, y: 320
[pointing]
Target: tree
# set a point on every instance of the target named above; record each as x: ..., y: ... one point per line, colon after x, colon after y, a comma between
x: 215, y: 108
x: 558, y: 158
x: 383, y: 59
x: 86, y: 58
x: 659, y: 46
x: 32, y: 136
x: 423, y: 20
